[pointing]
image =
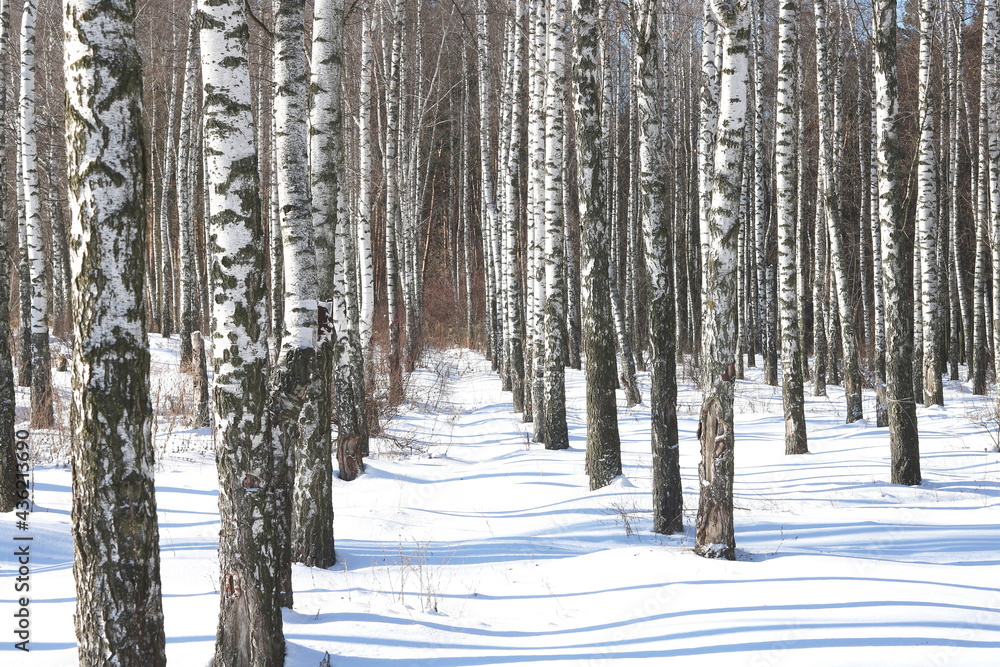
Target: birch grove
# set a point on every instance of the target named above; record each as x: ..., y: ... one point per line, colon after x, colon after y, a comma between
x: 655, y: 201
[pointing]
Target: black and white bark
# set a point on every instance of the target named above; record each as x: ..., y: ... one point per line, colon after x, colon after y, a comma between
x: 42, y: 415
x: 393, y: 210
x: 119, y: 614
x: 714, y: 537
x: 668, y: 502
x: 290, y: 378
x: 903, y: 438
x: 604, y: 461
x: 554, y: 413
x: 514, y: 296
x: 8, y: 459
x: 250, y: 624
x: 828, y: 192
x: 786, y: 166
x: 186, y: 185
x: 927, y: 215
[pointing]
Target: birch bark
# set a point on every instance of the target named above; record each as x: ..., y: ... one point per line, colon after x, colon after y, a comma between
x: 604, y: 461
x: 116, y: 565
x: 714, y: 537
x: 249, y: 631
x: 668, y: 502
x: 903, y: 437
x: 786, y: 158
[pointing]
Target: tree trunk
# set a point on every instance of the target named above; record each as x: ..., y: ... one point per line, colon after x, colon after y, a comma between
x: 9, y: 496
x: 556, y: 432
x: 927, y: 218
x: 604, y: 461
x: 186, y: 188
x: 828, y: 183
x: 42, y: 415
x: 714, y: 536
x: 903, y: 438
x: 115, y: 534
x: 290, y: 379
x: 668, y: 501
x: 250, y: 625
x: 787, y: 163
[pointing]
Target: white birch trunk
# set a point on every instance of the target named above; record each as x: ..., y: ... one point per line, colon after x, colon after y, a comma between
x: 366, y: 272
x: 119, y: 614
x: 715, y: 531
x: 786, y: 166
x: 927, y: 216
x: 42, y: 415
x: 556, y: 432
x: 248, y: 543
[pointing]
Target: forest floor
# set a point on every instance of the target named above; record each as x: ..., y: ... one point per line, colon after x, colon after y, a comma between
x: 467, y: 544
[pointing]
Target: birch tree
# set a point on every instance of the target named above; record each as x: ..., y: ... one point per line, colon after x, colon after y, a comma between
x: 828, y: 182
x: 604, y: 461
x: 186, y: 183
x: 512, y: 217
x: 668, y: 501
x: 487, y: 183
x: 42, y: 415
x: 366, y: 278
x: 927, y: 215
x: 393, y: 211
x: 290, y: 377
x: 119, y: 614
x: 248, y: 542
x: 556, y: 433
x: 312, y: 520
x: 786, y: 153
x: 903, y: 438
x: 714, y: 536
x: 335, y: 237
x: 990, y: 100
x: 8, y: 460
x: 538, y: 37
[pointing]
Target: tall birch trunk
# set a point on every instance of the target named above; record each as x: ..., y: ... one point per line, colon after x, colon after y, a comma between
x: 881, y: 408
x: 903, y: 438
x: 827, y: 102
x: 556, y: 433
x: 990, y: 99
x: 42, y: 415
x: 366, y: 277
x: 393, y: 211
x: 511, y: 217
x: 760, y: 211
x: 9, y: 496
x: 186, y: 185
x: 116, y: 565
x: 787, y: 163
x: 249, y: 631
x: 668, y: 502
x: 927, y: 216
x: 604, y: 461
x: 168, y: 193
x: 488, y: 207
x: 714, y: 537
x: 538, y: 35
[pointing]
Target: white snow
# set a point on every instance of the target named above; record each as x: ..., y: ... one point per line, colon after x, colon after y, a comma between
x: 465, y: 544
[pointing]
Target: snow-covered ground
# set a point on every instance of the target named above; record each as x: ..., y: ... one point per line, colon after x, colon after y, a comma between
x: 466, y: 544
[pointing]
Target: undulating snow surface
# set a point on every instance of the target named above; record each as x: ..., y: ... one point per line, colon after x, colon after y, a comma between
x: 465, y: 544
